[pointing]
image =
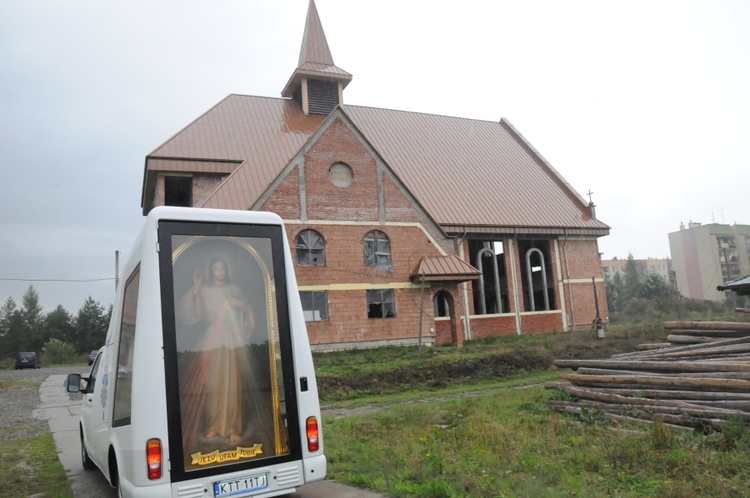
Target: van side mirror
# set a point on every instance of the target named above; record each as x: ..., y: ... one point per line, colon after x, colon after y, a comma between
x: 74, y: 383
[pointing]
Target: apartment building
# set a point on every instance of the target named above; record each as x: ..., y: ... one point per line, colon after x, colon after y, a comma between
x: 662, y: 267
x: 707, y: 256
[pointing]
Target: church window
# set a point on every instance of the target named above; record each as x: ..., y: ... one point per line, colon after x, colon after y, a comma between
x: 340, y: 174
x: 381, y: 303
x: 310, y: 249
x: 377, y: 250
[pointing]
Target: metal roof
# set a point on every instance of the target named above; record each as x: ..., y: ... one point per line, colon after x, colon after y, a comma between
x: 445, y: 268
x: 470, y: 175
x: 473, y: 173
x: 739, y: 285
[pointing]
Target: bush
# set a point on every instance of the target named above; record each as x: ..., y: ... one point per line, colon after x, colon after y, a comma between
x: 57, y: 352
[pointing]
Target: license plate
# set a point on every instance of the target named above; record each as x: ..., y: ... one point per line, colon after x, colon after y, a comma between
x: 241, y: 485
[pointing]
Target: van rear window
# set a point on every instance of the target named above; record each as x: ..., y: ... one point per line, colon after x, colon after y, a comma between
x: 229, y: 348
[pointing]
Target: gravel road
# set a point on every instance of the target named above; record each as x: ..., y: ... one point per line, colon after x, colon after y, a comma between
x: 19, y: 397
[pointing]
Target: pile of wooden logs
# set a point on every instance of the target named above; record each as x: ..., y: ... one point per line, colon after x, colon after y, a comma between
x: 699, y: 379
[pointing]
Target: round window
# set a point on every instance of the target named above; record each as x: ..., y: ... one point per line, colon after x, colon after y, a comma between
x: 340, y: 174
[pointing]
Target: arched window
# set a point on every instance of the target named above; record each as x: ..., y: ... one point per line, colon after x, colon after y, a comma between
x: 311, y: 249
x: 377, y: 250
x: 442, y: 304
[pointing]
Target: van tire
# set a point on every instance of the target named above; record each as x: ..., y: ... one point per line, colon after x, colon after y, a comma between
x: 85, y: 460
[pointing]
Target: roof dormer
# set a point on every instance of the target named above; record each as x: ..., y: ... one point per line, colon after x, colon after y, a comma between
x: 317, y: 84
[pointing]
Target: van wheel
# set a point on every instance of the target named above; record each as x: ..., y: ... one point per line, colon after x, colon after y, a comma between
x: 85, y: 460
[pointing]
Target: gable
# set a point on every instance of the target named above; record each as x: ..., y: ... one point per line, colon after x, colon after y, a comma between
x: 372, y: 193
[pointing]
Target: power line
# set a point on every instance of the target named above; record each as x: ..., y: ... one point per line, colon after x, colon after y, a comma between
x: 55, y: 280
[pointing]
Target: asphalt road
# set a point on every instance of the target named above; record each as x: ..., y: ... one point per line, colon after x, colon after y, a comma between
x: 63, y: 410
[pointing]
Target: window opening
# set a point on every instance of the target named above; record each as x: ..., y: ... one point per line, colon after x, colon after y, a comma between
x: 380, y: 303
x: 537, y: 281
x: 377, y: 250
x: 491, y: 289
x: 314, y: 305
x: 310, y: 249
x: 541, y: 272
x: 441, y: 303
x: 178, y: 191
x: 340, y: 174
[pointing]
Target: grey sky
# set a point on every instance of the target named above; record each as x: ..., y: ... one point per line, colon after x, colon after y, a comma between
x: 645, y: 103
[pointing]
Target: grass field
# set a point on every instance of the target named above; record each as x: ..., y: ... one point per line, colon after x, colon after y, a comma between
x: 497, y: 439
x: 474, y: 422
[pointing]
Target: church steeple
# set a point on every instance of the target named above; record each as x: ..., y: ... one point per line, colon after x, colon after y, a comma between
x: 316, y: 83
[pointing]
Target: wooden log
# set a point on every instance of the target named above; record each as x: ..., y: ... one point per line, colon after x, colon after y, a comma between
x: 709, y: 350
x: 691, y: 347
x: 680, y: 420
x: 688, y: 339
x: 707, y: 375
x: 688, y: 396
x: 735, y: 405
x: 708, y: 325
x: 702, y: 384
x: 718, y: 334
x: 629, y: 400
x: 655, y: 345
x: 735, y: 358
x: 657, y: 366
x: 648, y: 410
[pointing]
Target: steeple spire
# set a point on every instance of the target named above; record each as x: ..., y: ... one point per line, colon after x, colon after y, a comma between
x: 314, y: 44
x: 317, y: 84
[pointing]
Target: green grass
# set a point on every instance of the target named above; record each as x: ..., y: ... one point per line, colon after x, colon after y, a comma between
x: 474, y: 422
x: 29, y: 466
x: 506, y: 442
x: 353, y: 374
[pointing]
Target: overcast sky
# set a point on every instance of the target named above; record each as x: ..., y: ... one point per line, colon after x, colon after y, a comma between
x: 644, y: 103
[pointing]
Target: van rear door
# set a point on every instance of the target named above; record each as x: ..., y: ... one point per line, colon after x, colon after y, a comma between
x: 228, y: 360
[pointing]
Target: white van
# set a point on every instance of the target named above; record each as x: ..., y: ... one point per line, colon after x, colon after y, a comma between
x: 205, y: 386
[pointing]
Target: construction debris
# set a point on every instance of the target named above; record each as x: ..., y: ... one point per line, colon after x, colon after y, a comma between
x: 699, y: 379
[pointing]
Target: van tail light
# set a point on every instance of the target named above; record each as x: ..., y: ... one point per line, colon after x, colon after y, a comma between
x: 153, y: 458
x: 313, y: 434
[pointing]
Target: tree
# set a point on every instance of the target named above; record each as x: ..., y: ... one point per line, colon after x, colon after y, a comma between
x: 653, y: 286
x: 59, y: 325
x: 631, y: 281
x: 33, y: 334
x: 90, y: 326
x: 614, y: 287
x: 11, y: 324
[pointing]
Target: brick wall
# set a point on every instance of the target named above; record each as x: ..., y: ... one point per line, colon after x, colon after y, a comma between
x: 583, y: 262
x: 344, y: 216
x: 534, y: 323
x: 202, y: 185
x: 285, y: 200
x: 492, y: 325
x: 326, y: 201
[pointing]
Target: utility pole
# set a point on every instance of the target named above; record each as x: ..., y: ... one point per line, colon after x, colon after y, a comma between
x: 117, y: 269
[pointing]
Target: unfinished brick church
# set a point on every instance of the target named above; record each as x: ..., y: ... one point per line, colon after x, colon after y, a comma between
x: 406, y: 227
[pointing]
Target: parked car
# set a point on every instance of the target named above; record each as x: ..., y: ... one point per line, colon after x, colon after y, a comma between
x: 27, y: 359
x: 92, y: 356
